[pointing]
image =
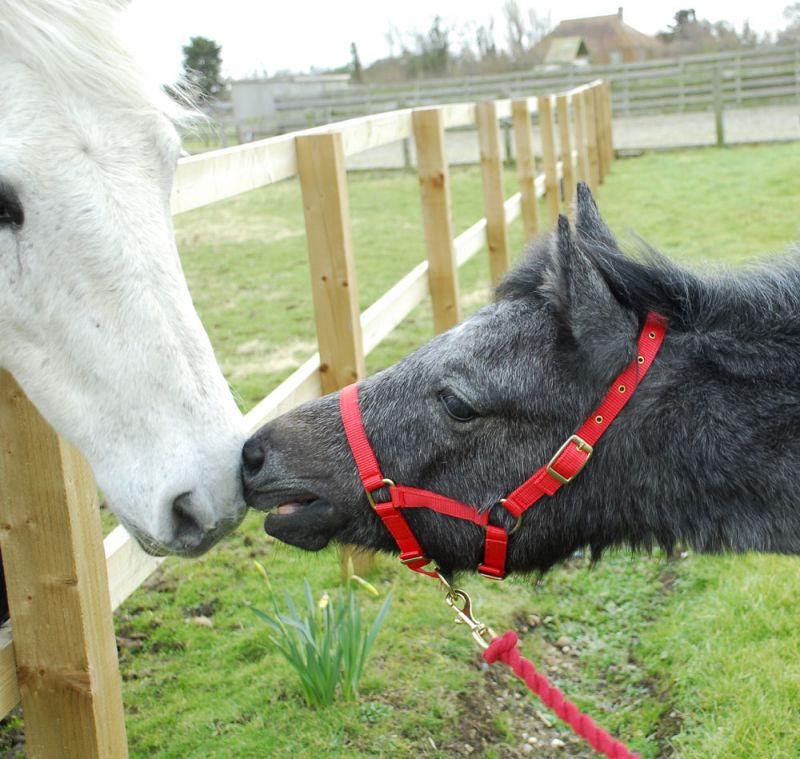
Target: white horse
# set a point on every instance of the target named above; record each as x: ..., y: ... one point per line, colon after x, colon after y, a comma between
x: 96, y: 322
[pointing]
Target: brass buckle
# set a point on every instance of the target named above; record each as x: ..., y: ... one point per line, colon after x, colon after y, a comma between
x: 386, y: 483
x: 581, y: 445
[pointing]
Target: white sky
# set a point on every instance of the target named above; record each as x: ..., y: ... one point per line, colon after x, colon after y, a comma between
x: 269, y: 35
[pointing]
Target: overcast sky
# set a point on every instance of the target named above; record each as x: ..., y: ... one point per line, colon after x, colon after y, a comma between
x: 267, y: 35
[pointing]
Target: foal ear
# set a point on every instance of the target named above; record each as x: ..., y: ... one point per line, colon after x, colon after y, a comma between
x: 591, y: 228
x: 587, y: 313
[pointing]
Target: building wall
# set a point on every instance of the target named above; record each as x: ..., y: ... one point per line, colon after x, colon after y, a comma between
x: 256, y: 98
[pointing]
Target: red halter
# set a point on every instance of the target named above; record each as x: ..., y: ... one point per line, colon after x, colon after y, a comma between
x: 567, y: 463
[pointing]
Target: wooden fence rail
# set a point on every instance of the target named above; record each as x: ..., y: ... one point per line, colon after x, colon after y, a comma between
x: 62, y: 585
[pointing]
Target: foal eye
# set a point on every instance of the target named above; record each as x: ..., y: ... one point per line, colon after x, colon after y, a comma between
x: 11, y: 213
x: 456, y: 406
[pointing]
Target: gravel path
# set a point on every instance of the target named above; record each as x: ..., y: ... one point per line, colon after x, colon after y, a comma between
x: 765, y: 124
x: 675, y: 130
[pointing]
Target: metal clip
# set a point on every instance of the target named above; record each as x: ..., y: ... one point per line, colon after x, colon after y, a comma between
x: 461, y: 603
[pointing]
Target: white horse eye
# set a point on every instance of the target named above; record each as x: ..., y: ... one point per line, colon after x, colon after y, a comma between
x: 456, y: 406
x: 11, y: 213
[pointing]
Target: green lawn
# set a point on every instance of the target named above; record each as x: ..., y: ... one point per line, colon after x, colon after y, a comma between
x: 690, y: 657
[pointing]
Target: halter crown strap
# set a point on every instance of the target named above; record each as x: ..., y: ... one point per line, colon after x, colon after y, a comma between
x: 368, y: 467
x: 576, y: 452
x: 567, y: 463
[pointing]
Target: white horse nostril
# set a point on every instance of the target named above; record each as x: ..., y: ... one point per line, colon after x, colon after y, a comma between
x: 196, y: 526
x: 186, y: 519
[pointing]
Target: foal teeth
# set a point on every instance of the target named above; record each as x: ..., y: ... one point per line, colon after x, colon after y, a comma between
x: 287, y: 508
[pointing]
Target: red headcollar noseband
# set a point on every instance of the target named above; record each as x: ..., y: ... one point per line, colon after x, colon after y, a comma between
x: 567, y: 463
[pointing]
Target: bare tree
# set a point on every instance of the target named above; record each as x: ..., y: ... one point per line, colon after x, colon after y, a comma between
x: 538, y: 27
x: 393, y: 38
x: 791, y: 33
x: 484, y: 39
x: 524, y: 30
x: 356, y: 69
x: 515, y: 28
x: 792, y: 13
x: 434, y: 48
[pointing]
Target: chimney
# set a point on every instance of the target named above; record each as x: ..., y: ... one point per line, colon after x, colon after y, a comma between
x: 619, y: 13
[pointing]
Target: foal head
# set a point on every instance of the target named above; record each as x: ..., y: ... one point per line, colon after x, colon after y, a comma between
x: 96, y: 322
x: 470, y: 415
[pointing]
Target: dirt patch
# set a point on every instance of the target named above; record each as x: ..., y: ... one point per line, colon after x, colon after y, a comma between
x: 160, y: 582
x: 501, y: 714
x: 204, y: 609
x: 670, y: 723
x: 12, y: 736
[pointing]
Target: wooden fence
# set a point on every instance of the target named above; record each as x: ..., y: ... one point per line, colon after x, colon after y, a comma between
x: 63, y: 580
x: 741, y: 77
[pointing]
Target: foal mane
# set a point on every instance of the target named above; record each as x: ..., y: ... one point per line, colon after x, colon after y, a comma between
x: 81, y: 45
x: 746, y: 300
x: 749, y: 299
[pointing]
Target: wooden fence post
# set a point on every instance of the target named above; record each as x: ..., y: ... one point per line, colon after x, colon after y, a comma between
x: 549, y: 159
x: 493, y: 190
x: 591, y: 139
x: 323, y: 180
x: 600, y: 128
x: 507, y: 143
x: 719, y: 119
x: 437, y: 216
x: 408, y: 164
x: 526, y: 167
x: 567, y: 169
x: 609, y: 122
x: 57, y: 584
x: 580, y: 137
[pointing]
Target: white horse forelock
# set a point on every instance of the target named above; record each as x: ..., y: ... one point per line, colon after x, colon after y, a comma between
x: 86, y: 43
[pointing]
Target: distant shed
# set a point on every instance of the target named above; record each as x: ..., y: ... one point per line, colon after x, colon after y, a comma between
x: 567, y: 51
x: 257, y: 99
x: 607, y: 39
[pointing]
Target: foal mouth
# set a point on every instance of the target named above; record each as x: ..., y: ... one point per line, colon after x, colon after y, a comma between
x: 309, y: 522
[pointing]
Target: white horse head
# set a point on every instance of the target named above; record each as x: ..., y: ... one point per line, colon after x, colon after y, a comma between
x: 96, y: 321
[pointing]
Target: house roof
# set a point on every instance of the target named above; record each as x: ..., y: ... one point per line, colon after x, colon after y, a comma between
x: 603, y: 33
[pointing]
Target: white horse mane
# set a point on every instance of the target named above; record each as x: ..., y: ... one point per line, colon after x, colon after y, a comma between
x: 81, y: 43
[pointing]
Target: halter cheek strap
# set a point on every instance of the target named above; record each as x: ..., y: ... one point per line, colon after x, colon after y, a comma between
x: 566, y: 464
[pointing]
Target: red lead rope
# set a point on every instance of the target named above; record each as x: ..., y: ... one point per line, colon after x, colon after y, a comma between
x: 567, y: 463
x: 504, y: 648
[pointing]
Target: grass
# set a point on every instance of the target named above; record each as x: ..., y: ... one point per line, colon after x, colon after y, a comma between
x: 735, y: 673
x: 694, y: 657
